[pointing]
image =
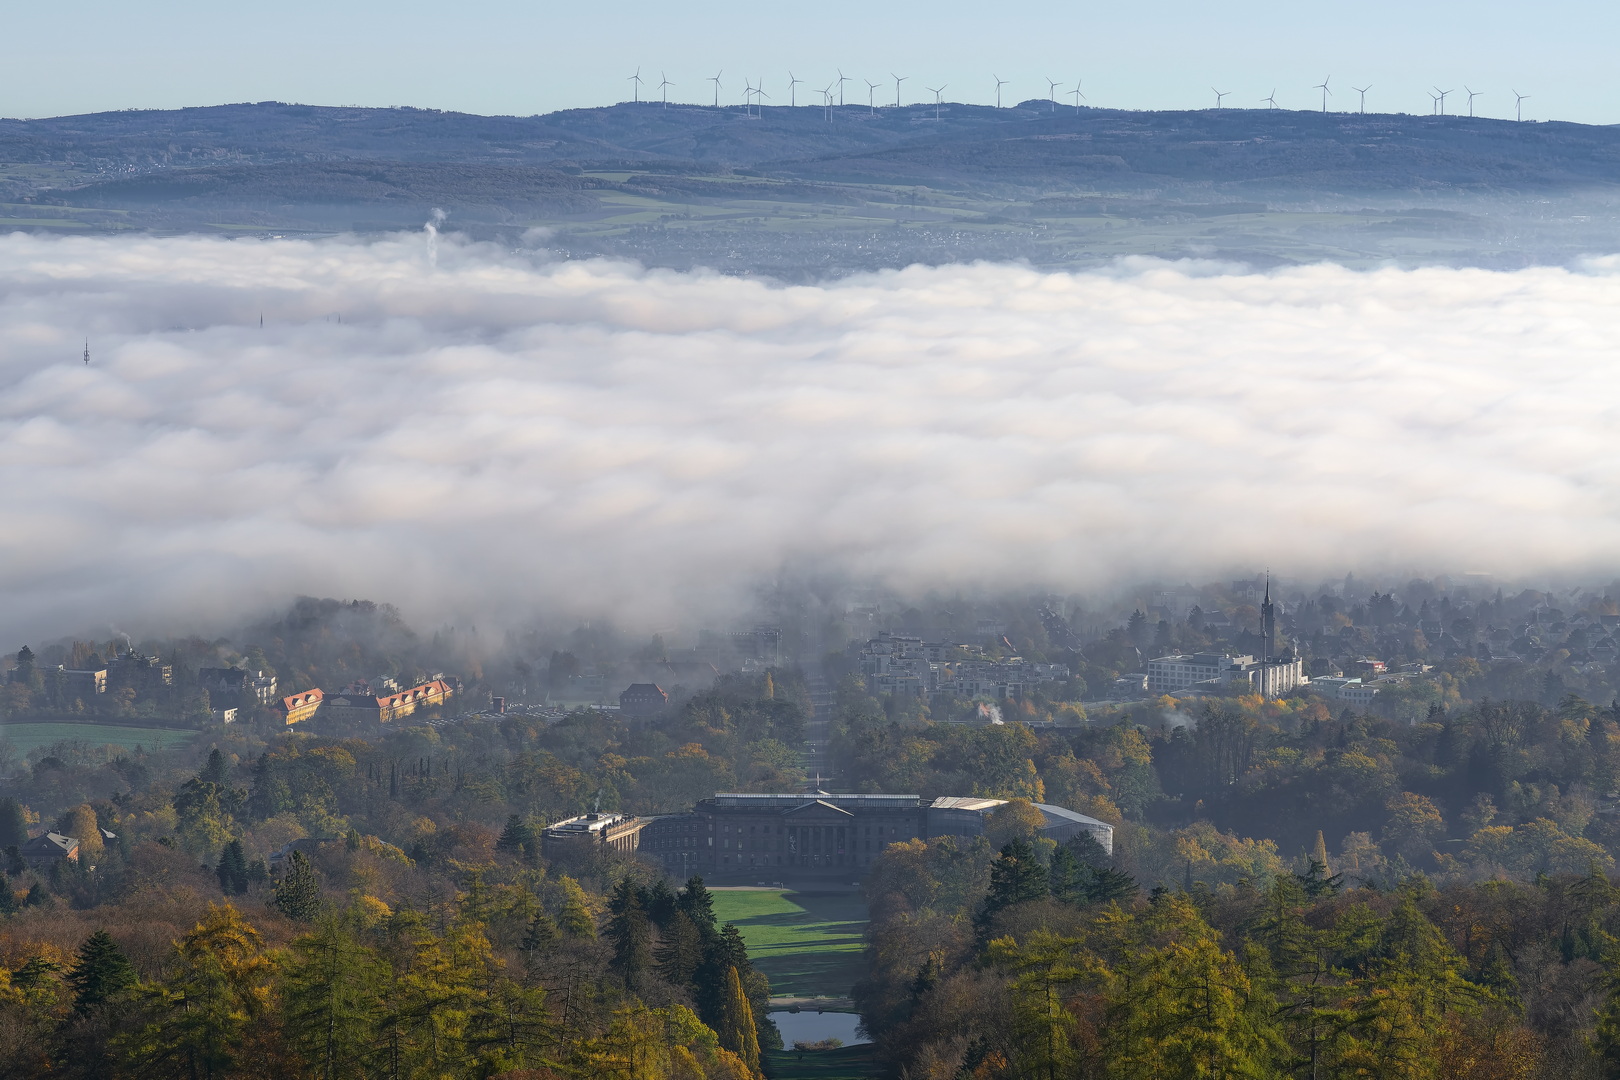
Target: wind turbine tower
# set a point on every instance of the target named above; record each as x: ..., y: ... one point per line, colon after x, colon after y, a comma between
x: 871, y: 92
x: 1051, y: 92
x: 1077, y: 95
x: 842, y: 79
x: 1362, y: 90
x: 1518, y: 106
x: 1472, y: 94
x: 1323, y: 86
x: 1219, y: 94
x: 936, y: 91
x: 635, y: 86
x: 715, y: 78
x: 1000, y: 82
x: 898, y: 79
x: 663, y: 88
x: 1442, y: 94
x: 1270, y: 102
x: 793, y: 81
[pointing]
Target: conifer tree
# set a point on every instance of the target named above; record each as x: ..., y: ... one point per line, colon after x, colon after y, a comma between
x: 232, y: 870
x: 214, y: 995
x: 215, y: 770
x: 575, y: 920
x: 1066, y: 877
x: 538, y: 941
x: 630, y: 932
x: 13, y: 825
x: 680, y: 953
x: 517, y: 838
x: 1016, y: 877
x: 298, y: 893
x: 661, y: 903
x: 698, y: 905
x: 101, y: 973
x: 332, y: 999
x: 737, y: 1031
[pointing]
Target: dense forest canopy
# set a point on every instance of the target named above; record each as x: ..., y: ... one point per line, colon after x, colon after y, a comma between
x: 1418, y: 886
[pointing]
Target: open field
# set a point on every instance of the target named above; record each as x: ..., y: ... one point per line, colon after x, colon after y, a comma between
x: 845, y: 1063
x: 806, y: 943
x: 27, y: 737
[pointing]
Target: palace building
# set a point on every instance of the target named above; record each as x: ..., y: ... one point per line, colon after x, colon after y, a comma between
x: 821, y: 835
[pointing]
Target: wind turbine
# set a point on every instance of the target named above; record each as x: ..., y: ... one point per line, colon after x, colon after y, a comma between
x: 1000, y: 82
x: 826, y: 99
x: 1362, y: 90
x: 1323, y: 86
x: 1472, y: 94
x: 871, y: 91
x: 898, y: 79
x: 842, y: 79
x: 1435, y: 108
x: 1051, y: 92
x: 1219, y: 94
x: 1271, y: 101
x: 663, y: 88
x: 1518, y: 105
x: 936, y: 91
x: 793, y: 80
x: 635, y: 86
x: 1077, y: 94
x: 715, y: 78
x: 759, y: 92
x: 1442, y: 94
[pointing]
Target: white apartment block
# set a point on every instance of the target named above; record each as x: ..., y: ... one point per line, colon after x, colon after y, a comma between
x: 1167, y: 674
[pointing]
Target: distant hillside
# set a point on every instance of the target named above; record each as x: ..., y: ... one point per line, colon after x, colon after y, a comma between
x: 687, y: 184
x: 1027, y: 143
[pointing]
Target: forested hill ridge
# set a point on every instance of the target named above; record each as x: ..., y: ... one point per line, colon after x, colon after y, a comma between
x: 804, y: 193
x: 1034, y: 142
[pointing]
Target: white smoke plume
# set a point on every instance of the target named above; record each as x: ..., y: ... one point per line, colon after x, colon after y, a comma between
x: 496, y: 435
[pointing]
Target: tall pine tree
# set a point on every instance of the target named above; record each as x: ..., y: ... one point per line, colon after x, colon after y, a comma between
x: 101, y: 973
x: 298, y: 893
x: 737, y: 1031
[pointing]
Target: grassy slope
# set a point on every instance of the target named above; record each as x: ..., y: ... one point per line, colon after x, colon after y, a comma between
x: 807, y: 944
x: 847, y: 1063
x: 26, y: 737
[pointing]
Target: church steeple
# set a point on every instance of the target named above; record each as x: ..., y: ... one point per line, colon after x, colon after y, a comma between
x: 1268, y: 623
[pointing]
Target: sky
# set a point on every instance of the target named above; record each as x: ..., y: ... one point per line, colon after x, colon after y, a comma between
x: 511, y: 57
x: 487, y: 435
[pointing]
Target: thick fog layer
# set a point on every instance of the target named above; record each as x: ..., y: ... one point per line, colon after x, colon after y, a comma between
x: 473, y: 433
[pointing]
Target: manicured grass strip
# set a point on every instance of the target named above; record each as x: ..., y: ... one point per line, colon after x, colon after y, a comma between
x: 806, y: 943
x: 845, y: 1063
x: 27, y: 737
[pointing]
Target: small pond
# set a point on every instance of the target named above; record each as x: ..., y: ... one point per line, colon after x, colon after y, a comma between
x: 808, y: 1025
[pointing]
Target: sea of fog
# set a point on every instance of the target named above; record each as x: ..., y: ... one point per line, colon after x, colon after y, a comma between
x: 468, y: 430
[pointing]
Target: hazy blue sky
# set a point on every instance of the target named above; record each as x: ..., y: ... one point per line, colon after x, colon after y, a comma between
x: 499, y: 56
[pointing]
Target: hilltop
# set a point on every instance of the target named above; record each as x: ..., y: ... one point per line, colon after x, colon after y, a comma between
x: 684, y: 184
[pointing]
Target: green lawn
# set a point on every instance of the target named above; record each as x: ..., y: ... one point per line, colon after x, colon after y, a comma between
x: 845, y: 1063
x: 27, y: 737
x: 808, y: 944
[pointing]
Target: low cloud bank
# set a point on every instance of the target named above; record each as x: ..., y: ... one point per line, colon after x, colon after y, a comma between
x: 475, y: 433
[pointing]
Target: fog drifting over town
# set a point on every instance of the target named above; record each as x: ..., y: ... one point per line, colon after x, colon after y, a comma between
x: 472, y: 432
